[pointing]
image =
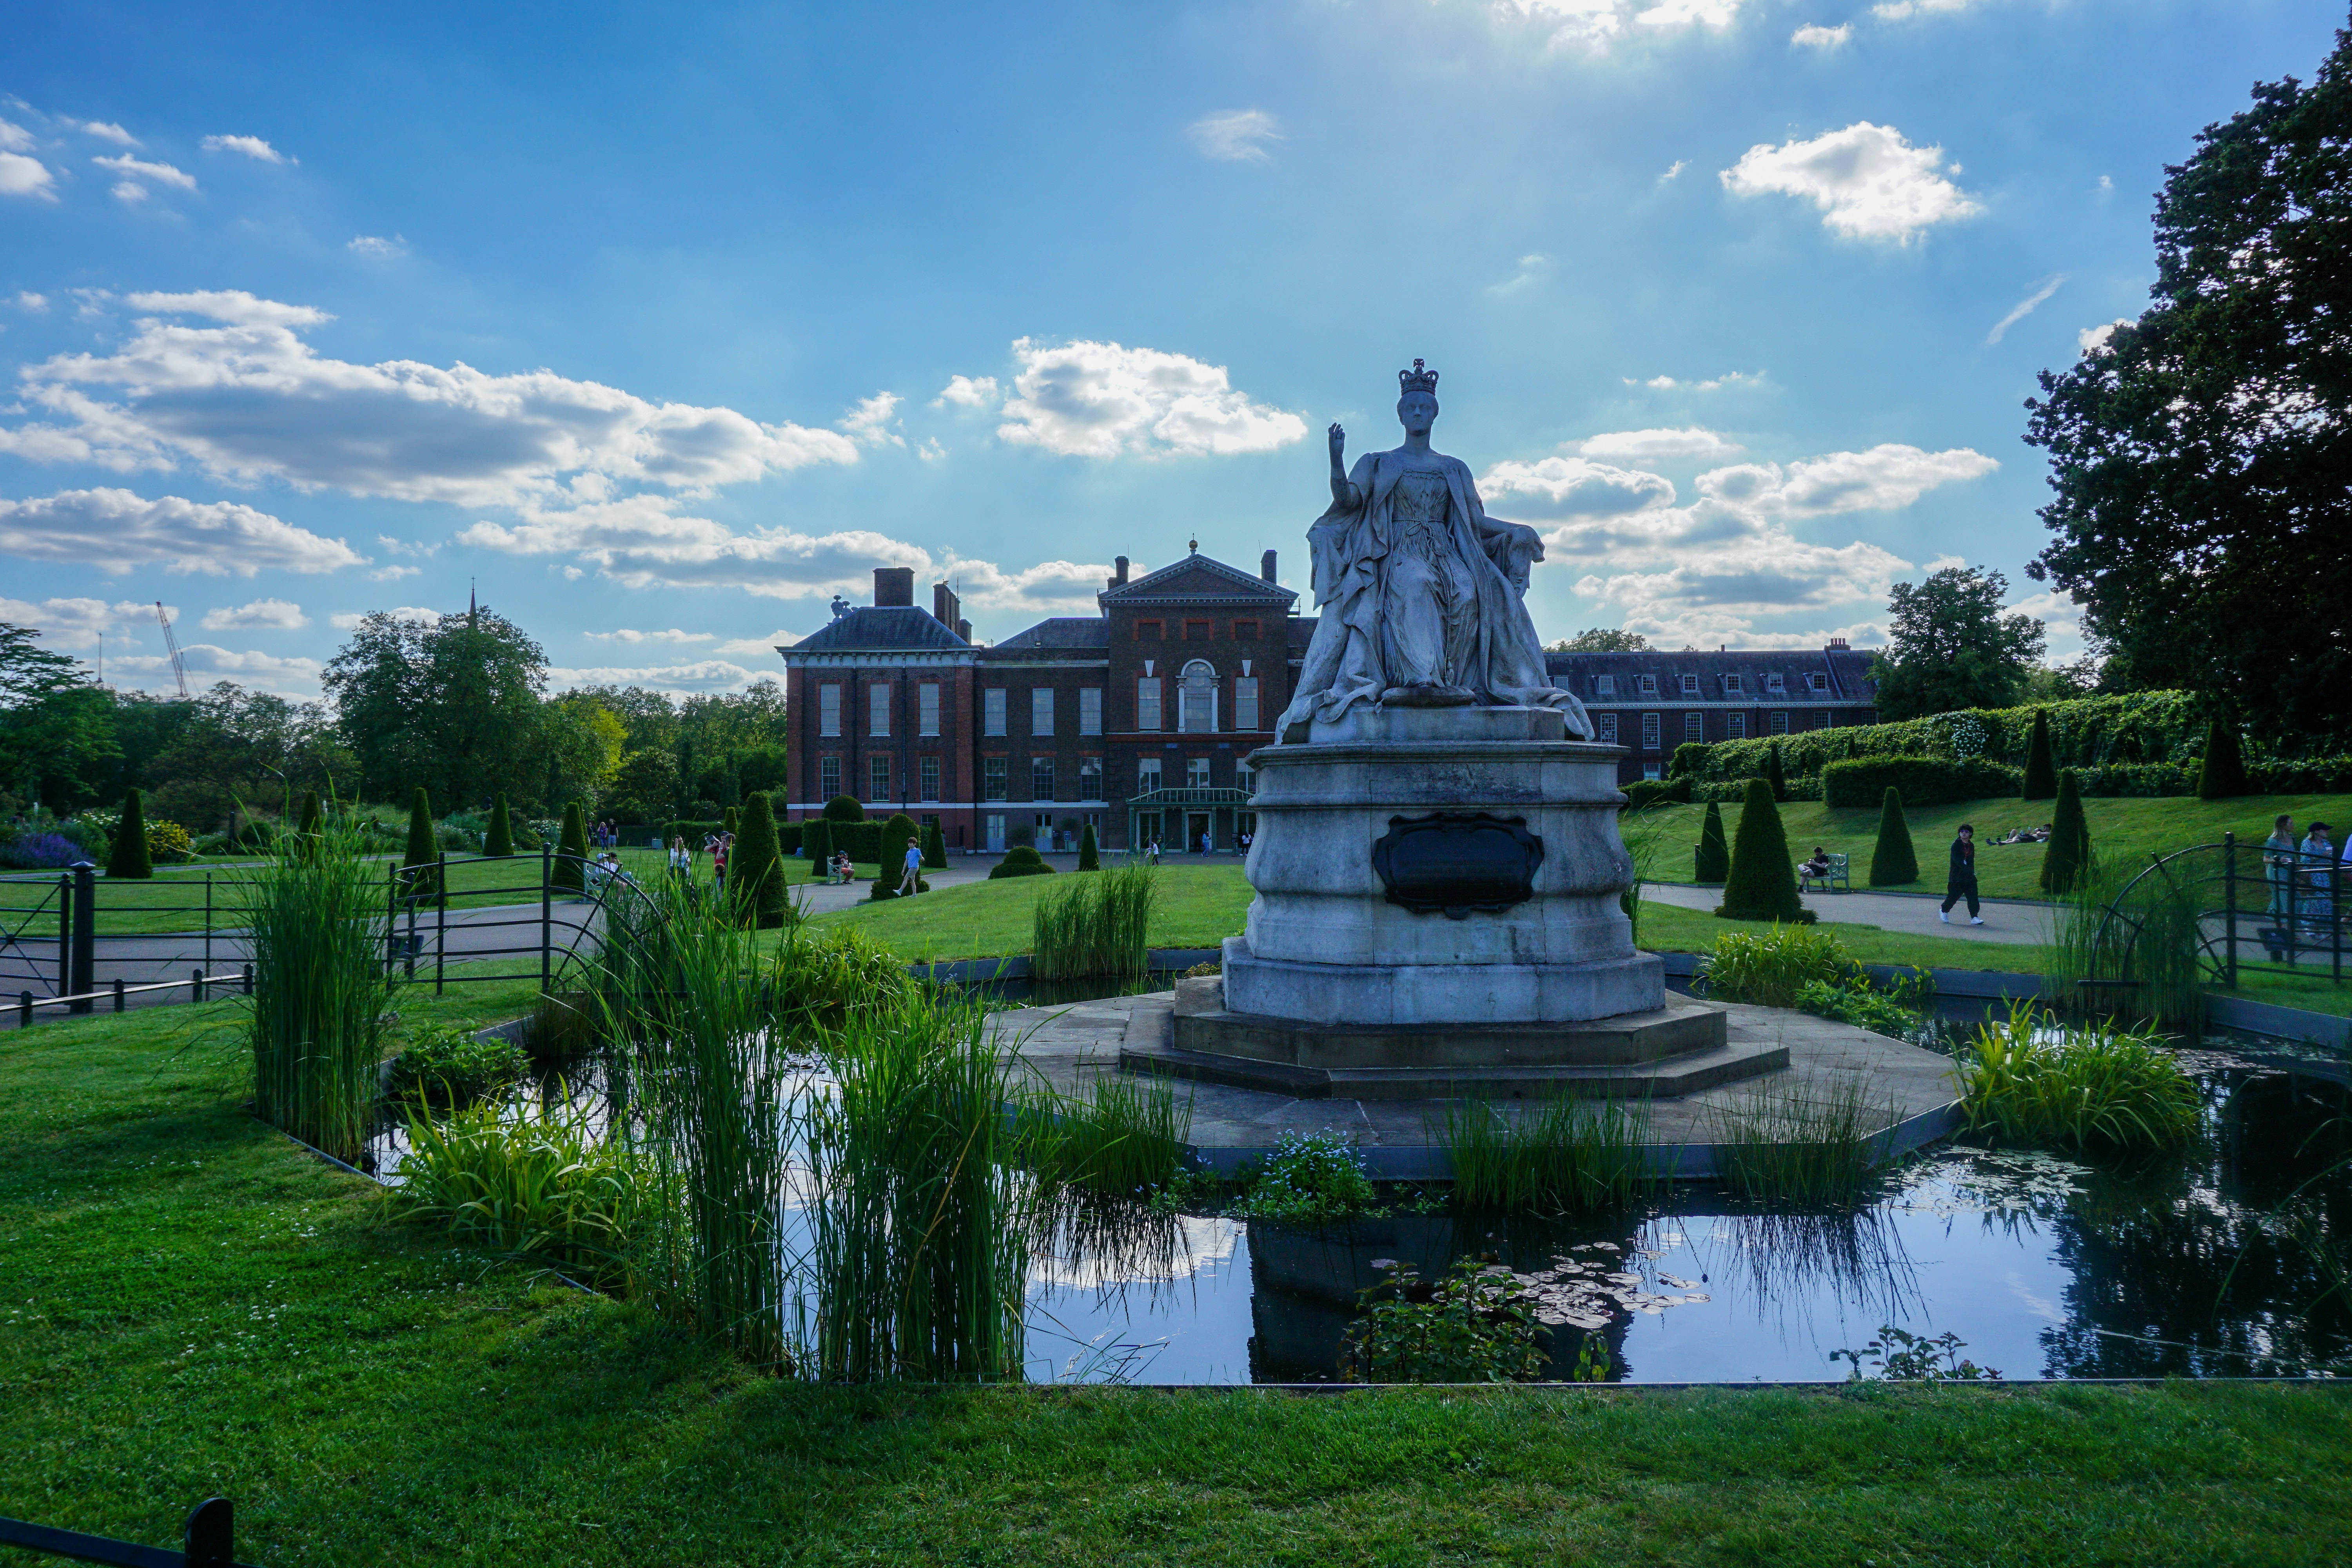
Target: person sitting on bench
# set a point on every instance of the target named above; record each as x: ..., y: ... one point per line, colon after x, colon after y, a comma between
x: 1819, y: 865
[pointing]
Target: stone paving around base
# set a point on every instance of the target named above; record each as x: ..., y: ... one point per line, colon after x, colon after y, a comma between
x: 1914, y: 1090
x: 2006, y: 920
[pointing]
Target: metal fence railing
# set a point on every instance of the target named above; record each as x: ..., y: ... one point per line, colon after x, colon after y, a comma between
x: 2255, y: 909
x: 209, y: 1542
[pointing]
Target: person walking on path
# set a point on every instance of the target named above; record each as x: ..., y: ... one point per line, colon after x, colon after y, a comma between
x: 911, y: 882
x: 2279, y: 853
x: 681, y: 860
x: 2318, y: 861
x: 726, y: 841
x: 1962, y: 881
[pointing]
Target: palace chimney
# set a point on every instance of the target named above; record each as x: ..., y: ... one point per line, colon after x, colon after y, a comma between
x: 1265, y: 566
x: 894, y: 585
x: 963, y: 630
x: 1118, y: 571
x: 945, y: 606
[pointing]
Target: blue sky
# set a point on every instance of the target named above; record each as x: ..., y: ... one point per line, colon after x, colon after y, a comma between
x: 665, y: 323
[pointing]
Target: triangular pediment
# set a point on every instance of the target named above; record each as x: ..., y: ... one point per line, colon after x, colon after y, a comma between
x: 1198, y: 575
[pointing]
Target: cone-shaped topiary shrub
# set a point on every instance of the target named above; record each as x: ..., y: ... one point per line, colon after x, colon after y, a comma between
x: 2041, y: 772
x: 816, y: 840
x: 935, y: 848
x: 732, y: 819
x: 891, y: 867
x: 500, y: 840
x: 1893, y: 861
x: 844, y: 808
x: 2068, y: 852
x: 1713, y: 861
x: 570, y: 873
x: 1773, y: 775
x: 2222, y: 775
x: 755, y: 872
x: 420, y: 862
x: 1762, y: 884
x: 130, y: 859
x: 1090, y: 852
x: 1021, y: 860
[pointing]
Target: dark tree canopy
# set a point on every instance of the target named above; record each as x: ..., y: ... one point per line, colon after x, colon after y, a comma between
x: 1950, y: 644
x: 2202, y: 455
x: 451, y: 706
x: 1601, y: 639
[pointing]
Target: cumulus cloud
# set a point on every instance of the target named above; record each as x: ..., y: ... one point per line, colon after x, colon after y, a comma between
x: 161, y: 173
x: 20, y: 174
x: 1571, y: 487
x: 106, y: 132
x: 376, y: 247
x: 2060, y: 617
x: 117, y: 530
x: 625, y: 633
x: 394, y: 573
x: 77, y: 624
x: 1868, y: 181
x: 1902, y: 10
x: 290, y: 675
x: 1532, y: 269
x: 1880, y: 479
x: 253, y: 147
x: 969, y: 392
x: 347, y: 620
x: 36, y: 304
x: 1813, y: 36
x: 757, y: 648
x: 1236, y: 135
x: 2094, y: 340
x: 705, y: 675
x: 872, y: 419
x: 1654, y: 445
x: 2025, y: 308
x: 1595, y: 25
x: 1712, y: 384
x: 248, y: 398
x: 1098, y: 400
x: 1673, y: 170
x: 261, y: 615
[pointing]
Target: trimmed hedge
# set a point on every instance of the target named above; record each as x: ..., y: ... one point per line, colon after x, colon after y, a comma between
x: 1923, y: 780
x: 2068, y: 853
x: 2312, y: 775
x: 1763, y: 881
x: 129, y: 861
x: 1711, y: 862
x: 1644, y: 793
x: 2041, y: 768
x: 1021, y: 860
x: 816, y: 839
x: 1893, y: 860
x: 788, y: 836
x: 2222, y: 773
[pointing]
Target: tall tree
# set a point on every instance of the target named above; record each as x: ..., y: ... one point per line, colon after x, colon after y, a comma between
x: 450, y: 705
x: 2202, y: 455
x: 57, y: 729
x: 1950, y: 645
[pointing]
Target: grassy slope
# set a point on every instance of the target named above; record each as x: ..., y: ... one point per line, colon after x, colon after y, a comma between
x: 1200, y: 905
x: 2130, y: 828
x: 196, y: 1307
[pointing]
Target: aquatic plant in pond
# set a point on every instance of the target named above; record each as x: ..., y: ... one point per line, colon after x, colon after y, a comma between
x: 1311, y: 1179
x: 1772, y: 965
x: 1809, y: 1143
x: 2029, y: 1079
x: 1096, y: 927
x: 1122, y: 1135
x: 817, y: 981
x: 449, y: 1065
x: 920, y: 1253
x: 1558, y: 1155
x: 1901, y: 1356
x: 318, y: 932
x: 1857, y: 1001
x: 1474, y: 1325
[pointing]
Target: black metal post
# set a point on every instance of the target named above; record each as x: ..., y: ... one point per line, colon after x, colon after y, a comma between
x: 249, y: 980
x: 196, y: 986
x: 2333, y: 881
x: 546, y: 916
x: 440, y: 919
x: 24, y: 1009
x: 210, y: 1538
x: 65, y: 934
x: 85, y: 936
x: 2229, y: 909
x: 117, y: 994
x: 208, y: 919
x: 409, y: 958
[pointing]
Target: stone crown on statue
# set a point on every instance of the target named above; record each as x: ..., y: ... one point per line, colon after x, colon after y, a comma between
x: 1416, y: 380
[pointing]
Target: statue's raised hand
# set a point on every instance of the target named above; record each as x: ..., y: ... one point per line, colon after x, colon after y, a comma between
x: 1338, y: 441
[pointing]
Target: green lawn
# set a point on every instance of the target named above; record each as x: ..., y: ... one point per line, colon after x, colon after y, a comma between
x: 1665, y: 928
x: 1200, y: 905
x: 2129, y: 828
x: 195, y: 1306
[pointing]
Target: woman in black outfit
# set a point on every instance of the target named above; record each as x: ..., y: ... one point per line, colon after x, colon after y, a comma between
x: 1962, y: 882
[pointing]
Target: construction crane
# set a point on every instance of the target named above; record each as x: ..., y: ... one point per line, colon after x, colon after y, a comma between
x: 179, y: 669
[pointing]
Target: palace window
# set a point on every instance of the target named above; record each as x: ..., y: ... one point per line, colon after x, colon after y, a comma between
x: 828, y: 711
x: 1147, y: 703
x: 877, y: 710
x: 1198, y: 694
x: 992, y: 784
x: 927, y: 708
x: 1690, y: 685
x: 1244, y: 778
x: 1779, y: 724
x: 1090, y: 710
x: 1147, y: 775
x: 1604, y: 685
x: 1196, y: 772
x: 1607, y: 723
x: 1735, y: 726
x: 1090, y: 778
x: 1041, y: 778
x: 1245, y: 702
x: 1649, y: 731
x: 828, y: 776
x: 1776, y: 681
x: 930, y: 776
x: 1731, y: 686
x: 1694, y: 726
x: 1817, y: 683
x: 1647, y: 685
x: 1147, y: 631
x: 991, y: 711
x: 1041, y: 710
x: 877, y: 778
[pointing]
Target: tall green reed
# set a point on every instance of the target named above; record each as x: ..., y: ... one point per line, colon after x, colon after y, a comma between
x: 2127, y: 944
x: 1816, y: 1142
x: 1121, y: 1136
x: 1098, y: 925
x: 922, y: 1246
x: 316, y: 909
x: 2029, y: 1079
x: 1561, y: 1155
x: 1772, y: 966
x: 1641, y: 836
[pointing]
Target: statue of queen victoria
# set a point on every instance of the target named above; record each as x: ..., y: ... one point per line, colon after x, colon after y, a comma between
x: 1421, y: 593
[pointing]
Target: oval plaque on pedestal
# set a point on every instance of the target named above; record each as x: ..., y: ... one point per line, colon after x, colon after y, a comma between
x: 1454, y: 862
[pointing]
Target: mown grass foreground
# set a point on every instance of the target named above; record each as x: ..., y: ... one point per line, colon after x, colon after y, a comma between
x: 195, y: 1306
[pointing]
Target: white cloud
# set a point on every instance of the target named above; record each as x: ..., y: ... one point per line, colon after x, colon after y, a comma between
x: 707, y: 674
x: 871, y: 420
x: 394, y: 573
x: 1868, y: 181
x: 1944, y: 562
x: 76, y: 625
x: 34, y: 302
x: 1571, y: 487
x: 1813, y: 37
x: 1594, y: 24
x: 967, y: 391
x: 162, y: 173
x: 2094, y: 340
x: 1098, y: 400
x: 1880, y: 479
x: 931, y: 451
x: 672, y: 635
x: 757, y: 648
x: 1673, y: 170
x: 250, y: 399
x: 106, y: 132
x: 117, y: 530
x: 129, y: 191
x: 392, y: 546
x: 261, y: 615
x: 1714, y: 384
x: 1716, y: 14
x: 348, y: 620
x: 251, y: 146
x: 209, y: 662
x: 2060, y: 617
x: 1532, y: 269
x: 1654, y: 445
x: 2024, y: 308
x: 22, y: 177
x: 1236, y: 135
x: 1900, y: 10
x: 2107, y: 183
x: 376, y: 247
x: 14, y: 138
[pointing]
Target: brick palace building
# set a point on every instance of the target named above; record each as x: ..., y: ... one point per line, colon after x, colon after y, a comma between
x: 1139, y: 720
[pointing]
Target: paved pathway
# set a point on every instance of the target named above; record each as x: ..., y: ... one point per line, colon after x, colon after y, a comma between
x: 2006, y: 920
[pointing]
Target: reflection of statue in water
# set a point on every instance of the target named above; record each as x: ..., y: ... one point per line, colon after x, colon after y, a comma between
x: 1421, y: 591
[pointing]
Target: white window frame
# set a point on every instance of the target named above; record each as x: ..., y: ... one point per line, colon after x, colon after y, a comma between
x: 1196, y: 772
x: 1650, y: 723
x: 1147, y: 710
x: 927, y: 708
x: 1816, y: 682
x: 1693, y: 728
x: 1776, y: 681
x: 1607, y: 728
x: 1090, y: 778
x: 929, y: 769
x: 1646, y: 685
x: 828, y: 775
x: 996, y: 781
x: 828, y: 710
x: 1735, y: 726
x: 1196, y: 698
x: 993, y: 704
x: 1604, y: 685
x: 877, y: 710
x: 1148, y: 775
x: 1041, y: 769
x: 1733, y: 685
x: 1690, y: 685
x: 878, y: 779
x: 1041, y: 710
x: 1090, y: 710
x: 1245, y: 702
x: 1780, y: 722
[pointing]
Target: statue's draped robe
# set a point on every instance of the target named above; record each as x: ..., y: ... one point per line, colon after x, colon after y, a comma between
x: 1352, y: 549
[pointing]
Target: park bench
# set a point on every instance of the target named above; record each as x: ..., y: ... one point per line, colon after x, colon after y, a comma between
x: 1835, y: 879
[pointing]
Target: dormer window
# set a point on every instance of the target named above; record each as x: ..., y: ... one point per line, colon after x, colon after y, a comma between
x: 1690, y: 685
x: 1818, y: 683
x: 1776, y: 682
x: 1604, y: 685
x: 1731, y: 686
x: 1649, y: 684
